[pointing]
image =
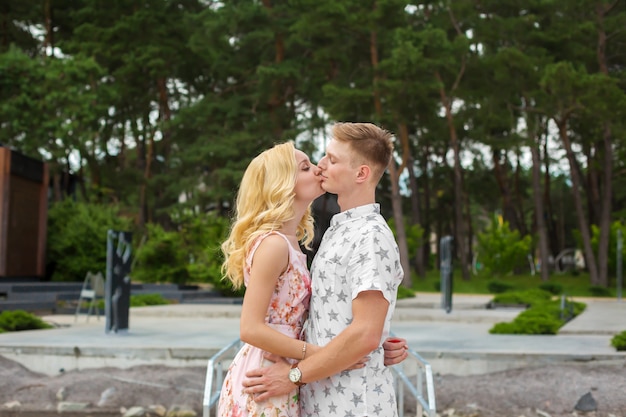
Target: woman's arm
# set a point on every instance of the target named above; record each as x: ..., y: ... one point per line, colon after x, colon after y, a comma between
x: 270, y: 261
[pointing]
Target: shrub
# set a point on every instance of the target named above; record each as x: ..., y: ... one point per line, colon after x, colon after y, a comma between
x: 536, y: 324
x: 404, y: 292
x: 141, y: 300
x: 77, y: 237
x: 526, y: 297
x: 541, y: 318
x: 498, y: 287
x: 552, y: 287
x: 18, y: 320
x: 189, y: 254
x: 619, y: 341
x: 502, y: 250
x: 138, y: 300
x: 598, y: 291
x: 595, y: 239
x: 162, y: 258
x: 413, y: 232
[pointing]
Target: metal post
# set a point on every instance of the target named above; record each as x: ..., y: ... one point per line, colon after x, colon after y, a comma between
x: 620, y: 245
x: 445, y: 255
x: 117, y: 289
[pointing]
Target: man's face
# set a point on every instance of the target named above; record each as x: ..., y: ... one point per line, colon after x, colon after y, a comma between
x: 308, y: 183
x: 337, y: 171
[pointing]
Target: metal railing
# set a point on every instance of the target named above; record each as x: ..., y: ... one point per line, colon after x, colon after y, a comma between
x: 423, y: 391
x: 215, y: 375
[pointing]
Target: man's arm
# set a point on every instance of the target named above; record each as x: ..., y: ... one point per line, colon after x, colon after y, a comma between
x: 362, y: 336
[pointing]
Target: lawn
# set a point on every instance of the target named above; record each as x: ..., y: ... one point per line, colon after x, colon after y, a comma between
x: 573, y: 284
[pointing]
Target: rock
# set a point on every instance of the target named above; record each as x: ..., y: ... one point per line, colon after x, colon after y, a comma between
x: 70, y: 406
x: 61, y: 394
x: 158, y: 410
x: 12, y: 404
x: 105, y: 396
x: 178, y: 411
x: 135, y: 412
x: 586, y: 403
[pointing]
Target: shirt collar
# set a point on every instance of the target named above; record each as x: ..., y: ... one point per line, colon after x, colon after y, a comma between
x: 355, y: 213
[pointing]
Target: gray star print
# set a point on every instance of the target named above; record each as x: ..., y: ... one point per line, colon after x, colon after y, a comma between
x: 359, y: 254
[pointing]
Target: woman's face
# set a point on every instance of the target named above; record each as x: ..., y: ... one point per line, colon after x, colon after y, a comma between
x: 308, y: 182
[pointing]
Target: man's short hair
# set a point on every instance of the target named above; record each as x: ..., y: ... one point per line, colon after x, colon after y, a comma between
x: 369, y: 142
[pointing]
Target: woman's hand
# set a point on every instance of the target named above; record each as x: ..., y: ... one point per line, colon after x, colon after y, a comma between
x: 395, y: 350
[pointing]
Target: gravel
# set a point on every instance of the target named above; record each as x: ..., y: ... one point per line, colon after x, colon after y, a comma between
x: 548, y: 391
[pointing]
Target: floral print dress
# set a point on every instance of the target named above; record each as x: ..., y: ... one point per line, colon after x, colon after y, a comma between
x: 286, y: 313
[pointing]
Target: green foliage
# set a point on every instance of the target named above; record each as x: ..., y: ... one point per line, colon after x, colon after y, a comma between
x: 498, y: 287
x: 544, y: 317
x: 77, y: 237
x: 598, y: 291
x: 137, y: 300
x: 414, y: 234
x: 165, y: 99
x: 574, y: 284
x: 190, y: 254
x: 501, y: 249
x: 163, y: 257
x: 141, y: 300
x: 404, y: 292
x: 595, y: 238
x: 619, y: 341
x: 526, y: 297
x: 552, y: 287
x: 17, y: 320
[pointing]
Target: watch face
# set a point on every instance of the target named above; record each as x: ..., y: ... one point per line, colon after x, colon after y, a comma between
x: 295, y: 375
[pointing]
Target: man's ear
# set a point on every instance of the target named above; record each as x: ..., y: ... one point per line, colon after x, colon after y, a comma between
x: 363, y: 173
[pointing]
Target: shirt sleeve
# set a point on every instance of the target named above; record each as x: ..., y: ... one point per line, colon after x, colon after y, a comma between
x: 374, y: 264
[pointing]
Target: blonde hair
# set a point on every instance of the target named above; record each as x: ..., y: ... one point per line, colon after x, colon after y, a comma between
x: 368, y: 141
x: 265, y: 201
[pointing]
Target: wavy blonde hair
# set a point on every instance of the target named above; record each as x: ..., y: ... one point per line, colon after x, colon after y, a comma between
x: 265, y: 201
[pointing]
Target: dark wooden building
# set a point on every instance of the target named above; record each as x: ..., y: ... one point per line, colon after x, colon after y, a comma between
x: 23, y: 215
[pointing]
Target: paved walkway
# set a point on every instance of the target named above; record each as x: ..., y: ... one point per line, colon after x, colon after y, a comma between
x: 188, y: 334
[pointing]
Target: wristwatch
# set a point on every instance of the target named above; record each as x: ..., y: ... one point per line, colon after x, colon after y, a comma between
x: 295, y: 375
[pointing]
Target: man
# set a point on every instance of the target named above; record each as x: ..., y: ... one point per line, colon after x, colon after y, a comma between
x: 355, y: 276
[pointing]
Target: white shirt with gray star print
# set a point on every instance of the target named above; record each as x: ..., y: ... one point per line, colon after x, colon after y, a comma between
x: 358, y: 253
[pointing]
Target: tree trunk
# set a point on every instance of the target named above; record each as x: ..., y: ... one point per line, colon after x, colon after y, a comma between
x: 554, y: 240
x: 605, y: 207
x: 593, y: 194
x: 542, y: 233
x: 141, y: 166
x: 396, y: 204
x: 508, y: 211
x: 607, y: 153
x: 519, y: 206
x: 403, y: 137
x: 426, y: 226
x: 459, y: 218
x: 416, y: 218
x: 277, y: 97
x: 590, y: 258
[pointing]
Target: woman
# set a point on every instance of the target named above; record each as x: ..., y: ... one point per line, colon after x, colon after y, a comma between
x: 273, y: 218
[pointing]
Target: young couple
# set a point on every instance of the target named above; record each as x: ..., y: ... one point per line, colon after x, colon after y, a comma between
x: 334, y: 363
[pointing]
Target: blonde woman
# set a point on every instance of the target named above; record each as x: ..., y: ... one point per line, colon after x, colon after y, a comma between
x: 273, y: 218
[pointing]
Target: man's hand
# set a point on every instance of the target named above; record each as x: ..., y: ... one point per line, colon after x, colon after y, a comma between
x: 270, y: 381
x: 395, y: 350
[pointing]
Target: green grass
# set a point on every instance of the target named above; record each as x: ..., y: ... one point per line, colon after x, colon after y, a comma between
x: 574, y: 285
